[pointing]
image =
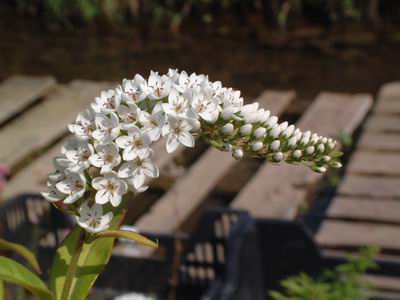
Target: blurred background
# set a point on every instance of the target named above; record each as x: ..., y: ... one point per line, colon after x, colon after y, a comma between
x: 331, y: 66
x: 249, y: 44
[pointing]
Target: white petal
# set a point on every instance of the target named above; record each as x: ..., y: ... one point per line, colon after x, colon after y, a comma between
x: 123, y: 141
x: 125, y: 170
x: 138, y: 180
x: 172, y: 144
x: 102, y: 197
x: 115, y: 199
x: 186, y: 139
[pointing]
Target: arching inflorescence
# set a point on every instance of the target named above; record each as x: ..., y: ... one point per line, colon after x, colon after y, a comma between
x: 110, y: 154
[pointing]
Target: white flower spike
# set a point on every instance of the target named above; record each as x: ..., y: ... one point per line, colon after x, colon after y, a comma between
x: 111, y: 152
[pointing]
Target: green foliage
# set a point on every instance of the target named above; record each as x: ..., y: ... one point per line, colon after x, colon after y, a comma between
x: 343, y: 283
x: 13, y: 272
x: 1, y: 290
x: 174, y: 12
x: 345, y: 138
x: 130, y: 235
x: 21, y: 250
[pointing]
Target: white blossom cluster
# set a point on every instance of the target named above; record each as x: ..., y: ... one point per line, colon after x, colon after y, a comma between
x: 110, y: 154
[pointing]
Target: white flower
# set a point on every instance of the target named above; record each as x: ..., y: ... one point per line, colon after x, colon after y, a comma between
x: 207, y: 108
x: 78, y: 153
x: 106, y: 157
x: 177, y: 131
x: 92, y: 218
x: 137, y: 170
x: 110, y: 188
x: 107, y: 102
x: 178, y: 105
x: 158, y: 86
x: 60, y: 163
x: 84, y: 124
x: 73, y: 186
x: 134, y: 91
x: 53, y: 194
x: 152, y: 123
x: 129, y: 115
x: 107, y: 128
x: 135, y: 144
x: 189, y: 83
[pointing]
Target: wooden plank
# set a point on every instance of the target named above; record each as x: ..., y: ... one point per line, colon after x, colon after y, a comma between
x: 387, y: 283
x: 276, y: 192
x: 379, y: 141
x: 365, y: 209
x: 18, y: 91
x: 374, y: 163
x: 383, y: 123
x: 390, y: 90
x: 181, y: 201
x: 339, y: 234
x: 388, y: 106
x: 47, y: 122
x: 370, y: 186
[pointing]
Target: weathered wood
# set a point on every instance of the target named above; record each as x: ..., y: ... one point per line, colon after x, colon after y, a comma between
x: 374, y: 163
x: 388, y: 106
x: 18, y: 91
x: 387, y: 283
x: 278, y: 192
x: 370, y: 186
x: 389, y: 91
x: 365, y: 209
x: 45, y: 123
x: 383, y: 123
x: 339, y: 234
x: 181, y: 201
x: 379, y: 141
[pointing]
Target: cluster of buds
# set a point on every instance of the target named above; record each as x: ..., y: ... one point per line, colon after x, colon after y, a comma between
x: 110, y: 154
x: 254, y: 132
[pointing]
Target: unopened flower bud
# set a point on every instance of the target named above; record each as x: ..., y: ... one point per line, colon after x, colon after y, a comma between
x: 319, y: 169
x: 257, y: 146
x: 246, y: 129
x: 275, y: 132
x: 196, y: 125
x: 283, y: 126
x: 296, y: 154
x: 250, y: 118
x: 320, y: 148
x: 335, y: 164
x: 277, y: 157
x: 310, y: 150
x: 275, y: 145
x: 292, y: 142
x: 271, y: 122
x: 226, y: 113
x: 227, y: 147
x: 326, y: 159
x: 237, y: 153
x: 264, y: 116
x: 288, y: 131
x: 227, y: 129
x: 259, y: 132
x: 314, y: 139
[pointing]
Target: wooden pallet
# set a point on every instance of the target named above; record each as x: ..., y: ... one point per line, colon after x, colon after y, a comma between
x: 366, y: 210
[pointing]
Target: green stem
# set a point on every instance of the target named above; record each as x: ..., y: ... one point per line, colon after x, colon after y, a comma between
x: 72, y: 268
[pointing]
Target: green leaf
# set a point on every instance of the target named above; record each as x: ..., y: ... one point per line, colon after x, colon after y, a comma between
x: 131, y: 235
x: 13, y: 272
x: 21, y: 250
x: 94, y: 256
x: 1, y: 290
